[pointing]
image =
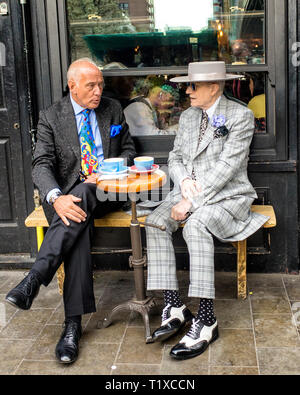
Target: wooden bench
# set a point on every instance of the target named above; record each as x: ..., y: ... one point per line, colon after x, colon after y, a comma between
x: 120, y: 219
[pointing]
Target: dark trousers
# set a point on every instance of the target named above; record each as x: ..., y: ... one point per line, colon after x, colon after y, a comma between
x: 72, y: 245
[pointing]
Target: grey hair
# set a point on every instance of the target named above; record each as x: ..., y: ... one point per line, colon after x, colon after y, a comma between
x: 222, y: 86
x: 72, y: 72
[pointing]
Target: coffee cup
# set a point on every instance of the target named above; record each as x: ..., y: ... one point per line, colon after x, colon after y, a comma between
x: 113, y: 165
x: 144, y: 162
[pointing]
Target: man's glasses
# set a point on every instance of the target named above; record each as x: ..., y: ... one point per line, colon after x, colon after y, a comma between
x: 192, y: 85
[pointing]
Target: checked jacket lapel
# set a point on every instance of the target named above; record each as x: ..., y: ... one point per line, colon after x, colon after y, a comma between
x: 209, y: 133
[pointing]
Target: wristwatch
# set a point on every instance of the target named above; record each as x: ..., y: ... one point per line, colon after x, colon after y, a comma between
x: 54, y: 196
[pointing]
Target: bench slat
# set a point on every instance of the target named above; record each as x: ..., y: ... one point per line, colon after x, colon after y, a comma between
x: 122, y: 220
x: 115, y: 219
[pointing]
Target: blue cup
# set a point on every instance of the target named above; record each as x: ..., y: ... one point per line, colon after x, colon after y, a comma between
x: 113, y: 165
x: 144, y: 162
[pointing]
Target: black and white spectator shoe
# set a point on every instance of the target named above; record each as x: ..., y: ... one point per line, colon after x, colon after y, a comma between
x: 173, y: 319
x: 196, y: 341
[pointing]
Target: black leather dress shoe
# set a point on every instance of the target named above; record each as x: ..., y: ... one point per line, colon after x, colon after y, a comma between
x: 23, y: 294
x: 173, y: 319
x: 67, y: 348
x: 196, y: 341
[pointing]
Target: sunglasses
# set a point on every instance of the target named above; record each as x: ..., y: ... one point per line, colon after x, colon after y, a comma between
x: 192, y: 85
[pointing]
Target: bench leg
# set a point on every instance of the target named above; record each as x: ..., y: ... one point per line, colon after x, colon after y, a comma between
x: 60, y: 278
x: 242, y: 269
x: 39, y: 236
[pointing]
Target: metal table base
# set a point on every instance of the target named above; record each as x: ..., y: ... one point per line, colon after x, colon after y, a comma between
x: 141, y: 304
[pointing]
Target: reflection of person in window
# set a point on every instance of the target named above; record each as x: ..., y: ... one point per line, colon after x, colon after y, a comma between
x: 142, y: 114
x: 240, y: 52
x: 258, y: 103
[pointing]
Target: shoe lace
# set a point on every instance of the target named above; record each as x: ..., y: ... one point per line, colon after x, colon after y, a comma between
x: 195, y: 328
x: 71, y: 330
x: 28, y: 284
x: 165, y: 311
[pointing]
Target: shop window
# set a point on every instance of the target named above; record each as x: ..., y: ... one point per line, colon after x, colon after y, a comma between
x: 140, y: 50
x: 172, y: 34
x: 152, y: 104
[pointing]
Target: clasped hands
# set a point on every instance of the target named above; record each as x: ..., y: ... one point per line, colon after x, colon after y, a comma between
x: 189, y: 189
x: 67, y: 208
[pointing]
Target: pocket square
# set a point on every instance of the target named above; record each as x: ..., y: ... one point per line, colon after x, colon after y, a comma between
x: 115, y: 130
x: 220, y: 132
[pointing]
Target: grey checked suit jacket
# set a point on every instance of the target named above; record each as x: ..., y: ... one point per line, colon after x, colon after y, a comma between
x: 220, y: 165
x: 57, y: 157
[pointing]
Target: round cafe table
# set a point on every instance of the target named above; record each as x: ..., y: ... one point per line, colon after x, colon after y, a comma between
x: 132, y: 184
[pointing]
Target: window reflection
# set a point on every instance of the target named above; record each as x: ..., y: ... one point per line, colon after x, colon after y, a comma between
x: 159, y: 33
x: 250, y: 90
x: 152, y: 104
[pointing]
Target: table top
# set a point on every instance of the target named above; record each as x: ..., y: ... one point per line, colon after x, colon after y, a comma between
x: 134, y: 183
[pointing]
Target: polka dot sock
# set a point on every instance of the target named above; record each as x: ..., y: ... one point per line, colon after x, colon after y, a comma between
x: 172, y: 298
x: 206, y: 312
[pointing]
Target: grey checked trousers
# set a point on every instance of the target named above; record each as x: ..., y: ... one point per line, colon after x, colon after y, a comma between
x: 161, y: 255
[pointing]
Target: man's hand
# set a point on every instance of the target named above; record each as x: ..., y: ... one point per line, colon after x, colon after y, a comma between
x: 190, y: 188
x: 180, y: 210
x: 66, y: 208
x: 91, y: 179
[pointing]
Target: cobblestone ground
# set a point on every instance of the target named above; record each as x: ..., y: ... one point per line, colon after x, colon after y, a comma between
x: 258, y: 336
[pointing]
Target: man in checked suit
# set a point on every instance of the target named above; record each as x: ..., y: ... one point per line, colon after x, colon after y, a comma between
x: 74, y: 136
x: 212, y: 194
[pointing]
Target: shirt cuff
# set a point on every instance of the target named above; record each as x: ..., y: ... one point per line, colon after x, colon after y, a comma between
x: 49, y: 194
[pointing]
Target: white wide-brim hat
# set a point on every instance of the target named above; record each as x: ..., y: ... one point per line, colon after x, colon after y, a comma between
x: 206, y: 72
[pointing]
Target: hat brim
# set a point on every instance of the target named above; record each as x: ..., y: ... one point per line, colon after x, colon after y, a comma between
x: 186, y: 78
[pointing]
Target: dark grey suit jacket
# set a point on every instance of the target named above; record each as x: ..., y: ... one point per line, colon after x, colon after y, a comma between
x: 57, y: 157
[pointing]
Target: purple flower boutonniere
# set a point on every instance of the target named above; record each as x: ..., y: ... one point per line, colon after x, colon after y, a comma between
x: 219, y: 123
x: 115, y: 130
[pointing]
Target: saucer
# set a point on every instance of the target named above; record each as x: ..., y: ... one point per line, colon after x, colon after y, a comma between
x: 125, y: 169
x: 133, y: 169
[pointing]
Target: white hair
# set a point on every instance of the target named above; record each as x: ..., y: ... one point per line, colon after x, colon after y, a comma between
x: 73, y: 71
x: 222, y: 86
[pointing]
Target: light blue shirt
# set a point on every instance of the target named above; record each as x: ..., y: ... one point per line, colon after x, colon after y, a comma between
x: 96, y: 134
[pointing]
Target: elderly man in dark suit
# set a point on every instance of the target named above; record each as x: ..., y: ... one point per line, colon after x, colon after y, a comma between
x: 74, y: 136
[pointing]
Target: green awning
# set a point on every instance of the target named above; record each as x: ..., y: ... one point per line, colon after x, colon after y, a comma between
x: 99, y: 44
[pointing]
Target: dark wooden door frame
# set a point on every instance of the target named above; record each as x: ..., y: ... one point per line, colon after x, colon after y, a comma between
x: 17, y: 243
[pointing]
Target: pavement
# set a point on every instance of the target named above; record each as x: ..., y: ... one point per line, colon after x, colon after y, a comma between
x: 258, y: 336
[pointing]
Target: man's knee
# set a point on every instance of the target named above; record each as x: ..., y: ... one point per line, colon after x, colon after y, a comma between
x: 193, y: 226
x: 155, y: 219
x: 84, y: 189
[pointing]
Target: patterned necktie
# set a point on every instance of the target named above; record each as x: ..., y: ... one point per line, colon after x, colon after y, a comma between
x: 89, y: 160
x: 203, y: 127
